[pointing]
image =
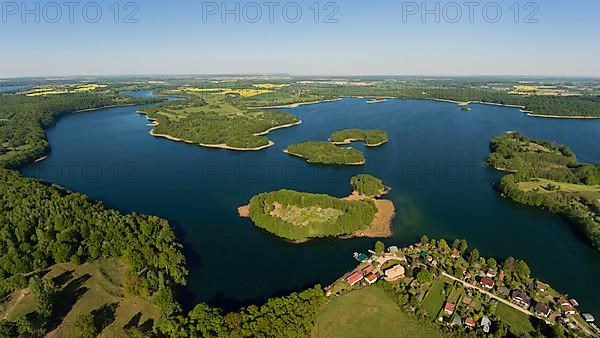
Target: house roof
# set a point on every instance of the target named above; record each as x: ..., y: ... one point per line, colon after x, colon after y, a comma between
x: 395, y: 271
x: 354, y: 277
x: 485, y: 321
x: 470, y: 322
x: 371, y: 277
x: 520, y: 296
x: 487, y: 281
x: 449, y: 307
x: 567, y: 308
x: 542, y: 308
x: 456, y: 320
x: 368, y: 269
x: 588, y: 317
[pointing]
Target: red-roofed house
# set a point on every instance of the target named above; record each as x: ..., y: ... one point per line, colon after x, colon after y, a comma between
x: 455, y: 254
x: 470, y: 322
x: 501, y: 275
x: 354, y: 278
x: 491, y: 273
x: 568, y: 309
x: 371, y: 278
x: 449, y: 308
x: 487, y: 282
x: 368, y: 270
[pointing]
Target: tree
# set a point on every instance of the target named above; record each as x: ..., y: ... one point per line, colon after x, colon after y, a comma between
x: 491, y: 262
x: 45, y: 291
x: 443, y: 245
x: 86, y: 326
x: 379, y: 247
x: 522, y: 269
x: 424, y: 239
x: 474, y: 256
x: 509, y: 264
x: 463, y: 246
x: 424, y: 276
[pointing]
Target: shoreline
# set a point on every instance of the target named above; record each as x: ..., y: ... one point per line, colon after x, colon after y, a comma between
x: 350, y: 140
x: 296, y: 105
x: 521, y: 108
x: 307, y: 161
x: 380, y: 227
x: 216, y: 146
x: 266, y: 132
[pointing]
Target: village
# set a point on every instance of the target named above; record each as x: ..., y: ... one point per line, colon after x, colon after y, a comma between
x: 462, y: 292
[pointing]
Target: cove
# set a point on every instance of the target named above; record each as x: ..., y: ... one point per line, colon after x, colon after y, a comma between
x: 434, y: 164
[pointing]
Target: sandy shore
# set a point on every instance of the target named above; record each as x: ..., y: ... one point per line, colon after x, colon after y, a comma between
x: 350, y: 140
x: 278, y: 127
x: 244, y: 211
x: 296, y: 105
x: 382, y: 223
x: 40, y: 159
x: 304, y: 158
x: 563, y: 117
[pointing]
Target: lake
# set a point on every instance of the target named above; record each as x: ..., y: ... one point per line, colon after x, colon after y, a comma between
x: 434, y: 164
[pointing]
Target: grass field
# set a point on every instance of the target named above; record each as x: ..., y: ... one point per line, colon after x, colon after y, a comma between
x: 541, y: 184
x: 517, y: 321
x: 304, y: 216
x: 368, y: 312
x: 83, y: 289
x: 433, y: 302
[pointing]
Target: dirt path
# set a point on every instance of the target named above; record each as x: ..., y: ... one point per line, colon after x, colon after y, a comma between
x: 18, y: 298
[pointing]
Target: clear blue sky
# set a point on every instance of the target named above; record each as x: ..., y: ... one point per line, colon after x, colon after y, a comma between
x: 371, y: 37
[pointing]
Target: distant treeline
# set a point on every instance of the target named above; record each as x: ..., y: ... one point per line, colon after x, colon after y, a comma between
x: 23, y: 121
x: 541, y: 159
x: 355, y: 215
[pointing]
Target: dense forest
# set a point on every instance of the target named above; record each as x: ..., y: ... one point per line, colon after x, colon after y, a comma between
x: 207, y: 120
x: 298, y: 216
x: 369, y: 137
x: 530, y: 161
x: 367, y: 185
x: 290, y: 316
x: 326, y: 153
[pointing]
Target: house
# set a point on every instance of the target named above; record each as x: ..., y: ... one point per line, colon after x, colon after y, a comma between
x: 393, y: 249
x: 541, y: 286
x: 574, y: 302
x: 470, y: 322
x: 563, y: 301
x: 449, y: 308
x: 354, y: 278
x: 491, y: 273
x: 501, y: 275
x: 456, y: 322
x: 568, y: 309
x: 542, y: 309
x: 368, y: 269
x: 588, y: 317
x: 521, y: 298
x: 429, y: 258
x: 468, y: 275
x: 486, y: 324
x: 394, y: 272
x: 371, y: 278
x: 486, y: 282
x: 504, y: 291
x: 455, y: 254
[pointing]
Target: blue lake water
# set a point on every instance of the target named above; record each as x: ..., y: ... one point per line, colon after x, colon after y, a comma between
x: 434, y: 164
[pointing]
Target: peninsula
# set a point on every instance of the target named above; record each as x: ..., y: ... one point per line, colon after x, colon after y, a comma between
x: 547, y: 175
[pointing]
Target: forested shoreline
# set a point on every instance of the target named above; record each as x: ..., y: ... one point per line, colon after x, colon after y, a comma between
x: 532, y: 160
